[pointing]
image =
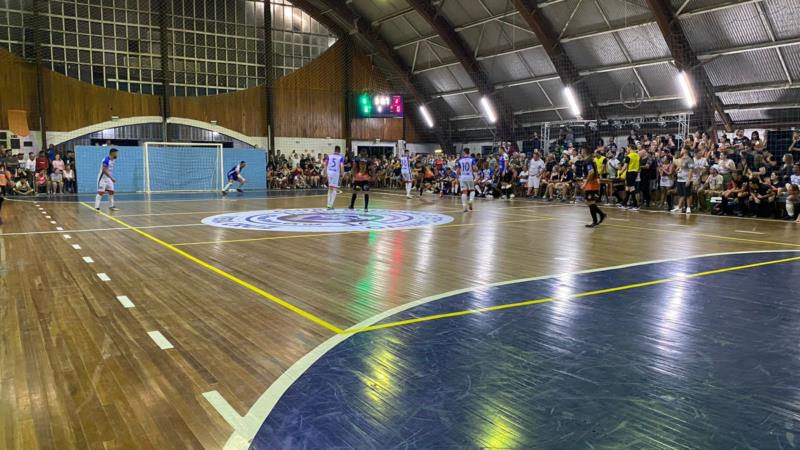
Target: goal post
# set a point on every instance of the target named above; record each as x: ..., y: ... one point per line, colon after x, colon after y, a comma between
x: 183, y: 167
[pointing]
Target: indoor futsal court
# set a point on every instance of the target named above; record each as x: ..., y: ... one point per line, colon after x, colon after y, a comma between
x: 399, y: 224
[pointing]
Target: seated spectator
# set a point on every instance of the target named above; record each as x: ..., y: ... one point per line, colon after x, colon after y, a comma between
x: 69, y: 179
x: 22, y: 187
x: 761, y: 202
x: 712, y: 187
x: 42, y: 185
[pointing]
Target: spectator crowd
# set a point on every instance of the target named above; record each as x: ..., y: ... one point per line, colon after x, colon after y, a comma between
x: 47, y: 173
x: 728, y: 175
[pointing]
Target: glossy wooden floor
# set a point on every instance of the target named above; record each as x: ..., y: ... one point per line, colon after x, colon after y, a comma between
x: 79, y: 370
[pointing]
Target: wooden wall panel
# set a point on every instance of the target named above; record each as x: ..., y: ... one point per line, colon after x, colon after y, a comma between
x: 17, y: 89
x: 71, y: 104
x: 243, y: 111
x: 310, y: 101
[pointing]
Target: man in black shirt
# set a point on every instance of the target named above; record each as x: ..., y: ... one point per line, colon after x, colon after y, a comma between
x: 761, y: 201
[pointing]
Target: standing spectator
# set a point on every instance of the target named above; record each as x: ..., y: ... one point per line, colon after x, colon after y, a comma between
x: 648, y: 174
x: 30, y: 166
x: 536, y: 167
x: 685, y: 165
x: 794, y: 147
x: 42, y: 163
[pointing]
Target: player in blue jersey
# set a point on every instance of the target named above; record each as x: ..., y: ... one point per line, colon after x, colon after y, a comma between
x: 235, y: 176
x: 334, y: 167
x: 466, y: 169
x: 106, y: 180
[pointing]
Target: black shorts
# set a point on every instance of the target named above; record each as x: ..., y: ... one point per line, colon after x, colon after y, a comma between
x: 630, y: 179
x: 591, y: 196
x: 681, y: 187
x: 361, y: 185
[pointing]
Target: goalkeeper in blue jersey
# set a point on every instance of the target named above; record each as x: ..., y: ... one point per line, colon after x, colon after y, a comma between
x: 235, y: 176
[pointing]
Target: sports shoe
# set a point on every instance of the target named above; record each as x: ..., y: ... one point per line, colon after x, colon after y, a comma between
x: 470, y: 206
x: 113, y: 208
x: 675, y: 210
x: 688, y: 210
x: 224, y: 193
x: 239, y: 190
x: 511, y: 196
x: 97, y: 209
x: 409, y: 196
x: 634, y: 208
x: 591, y: 225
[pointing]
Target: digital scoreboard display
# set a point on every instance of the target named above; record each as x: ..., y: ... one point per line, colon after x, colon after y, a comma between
x: 378, y: 106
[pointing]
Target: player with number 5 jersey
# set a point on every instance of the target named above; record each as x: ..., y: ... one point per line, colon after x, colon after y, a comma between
x: 466, y: 179
x: 333, y: 169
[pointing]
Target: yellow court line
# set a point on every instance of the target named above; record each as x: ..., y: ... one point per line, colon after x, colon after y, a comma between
x: 715, y: 236
x: 227, y: 275
x: 552, y: 299
x: 295, y: 236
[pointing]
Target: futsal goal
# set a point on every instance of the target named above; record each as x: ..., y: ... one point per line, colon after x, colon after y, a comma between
x: 183, y: 167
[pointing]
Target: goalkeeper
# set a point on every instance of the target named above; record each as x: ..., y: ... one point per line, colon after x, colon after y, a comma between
x: 235, y: 176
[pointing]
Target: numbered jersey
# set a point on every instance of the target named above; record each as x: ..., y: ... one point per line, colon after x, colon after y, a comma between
x: 405, y: 164
x: 465, y: 165
x: 333, y: 163
x: 108, y: 163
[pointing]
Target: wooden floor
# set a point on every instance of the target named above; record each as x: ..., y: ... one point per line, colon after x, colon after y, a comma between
x: 78, y: 369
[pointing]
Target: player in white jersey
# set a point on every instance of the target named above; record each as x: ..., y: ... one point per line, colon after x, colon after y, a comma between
x: 405, y: 171
x: 106, y: 180
x: 334, y: 168
x: 466, y: 169
x: 536, y: 168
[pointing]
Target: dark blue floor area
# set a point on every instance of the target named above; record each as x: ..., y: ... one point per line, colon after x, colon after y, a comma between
x: 171, y: 196
x: 711, y: 362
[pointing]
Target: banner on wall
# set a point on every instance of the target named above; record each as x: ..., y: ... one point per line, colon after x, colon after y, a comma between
x: 18, y: 122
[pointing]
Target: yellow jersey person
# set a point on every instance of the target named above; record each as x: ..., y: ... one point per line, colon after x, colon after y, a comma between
x: 631, y: 170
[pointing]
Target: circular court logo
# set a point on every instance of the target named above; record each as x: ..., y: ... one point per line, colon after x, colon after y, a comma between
x: 323, y: 220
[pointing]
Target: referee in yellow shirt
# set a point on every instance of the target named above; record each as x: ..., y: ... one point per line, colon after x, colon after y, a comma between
x: 631, y: 170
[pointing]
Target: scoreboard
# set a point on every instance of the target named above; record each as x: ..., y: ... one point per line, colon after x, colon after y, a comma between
x: 379, y: 106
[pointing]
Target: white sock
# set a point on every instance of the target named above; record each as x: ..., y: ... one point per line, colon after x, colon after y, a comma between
x: 227, y: 186
x: 97, y: 199
x: 333, y: 197
x: 111, y: 199
x: 464, y: 200
x: 408, y: 188
x: 329, y: 199
x: 471, y: 196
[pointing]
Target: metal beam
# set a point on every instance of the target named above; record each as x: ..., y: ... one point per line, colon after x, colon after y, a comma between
x: 687, y: 61
x: 570, y: 38
x: 359, y: 26
x: 564, y: 67
x: 464, y: 55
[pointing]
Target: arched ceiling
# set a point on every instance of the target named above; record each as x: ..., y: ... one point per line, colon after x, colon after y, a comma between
x: 745, y: 56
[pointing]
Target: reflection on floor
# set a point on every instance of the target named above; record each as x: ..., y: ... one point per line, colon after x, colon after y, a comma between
x: 707, y: 362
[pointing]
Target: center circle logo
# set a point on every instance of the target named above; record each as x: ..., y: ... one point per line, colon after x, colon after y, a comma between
x: 323, y: 220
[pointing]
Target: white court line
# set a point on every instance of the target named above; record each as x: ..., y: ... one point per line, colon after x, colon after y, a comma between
x: 126, y: 302
x: 44, y: 212
x: 92, y: 230
x: 748, y: 232
x: 53, y: 222
x: 76, y: 246
x: 88, y: 259
x: 66, y: 236
x: 160, y: 340
x: 60, y: 229
x: 103, y: 276
x: 249, y: 424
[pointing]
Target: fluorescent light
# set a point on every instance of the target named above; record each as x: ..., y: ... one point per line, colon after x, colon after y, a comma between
x: 488, y: 109
x: 686, y: 87
x: 572, y: 101
x: 426, y: 115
